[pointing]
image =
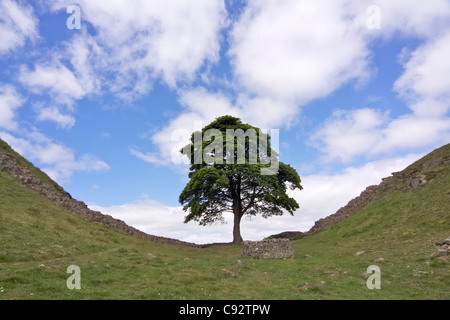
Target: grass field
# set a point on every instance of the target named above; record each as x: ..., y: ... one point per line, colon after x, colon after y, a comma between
x: 39, y: 241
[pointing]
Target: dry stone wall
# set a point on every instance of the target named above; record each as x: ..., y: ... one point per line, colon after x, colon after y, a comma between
x: 268, y: 249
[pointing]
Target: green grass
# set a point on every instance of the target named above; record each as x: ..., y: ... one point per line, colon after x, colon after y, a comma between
x: 39, y: 240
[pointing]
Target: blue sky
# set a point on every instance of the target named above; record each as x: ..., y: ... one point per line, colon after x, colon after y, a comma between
x: 357, y: 90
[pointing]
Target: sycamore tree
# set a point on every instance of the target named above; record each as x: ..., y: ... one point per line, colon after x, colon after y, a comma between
x: 234, y: 169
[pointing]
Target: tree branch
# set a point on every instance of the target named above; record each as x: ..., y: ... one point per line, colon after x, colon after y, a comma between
x: 252, y: 201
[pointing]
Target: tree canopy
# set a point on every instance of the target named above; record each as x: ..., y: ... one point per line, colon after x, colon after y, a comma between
x: 234, y: 169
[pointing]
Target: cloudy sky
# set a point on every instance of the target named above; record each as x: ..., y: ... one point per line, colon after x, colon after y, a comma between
x: 100, y: 95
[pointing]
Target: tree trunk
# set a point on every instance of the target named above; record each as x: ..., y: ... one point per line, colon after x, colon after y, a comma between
x: 237, y: 238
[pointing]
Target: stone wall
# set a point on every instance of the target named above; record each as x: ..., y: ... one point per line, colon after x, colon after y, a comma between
x: 268, y: 249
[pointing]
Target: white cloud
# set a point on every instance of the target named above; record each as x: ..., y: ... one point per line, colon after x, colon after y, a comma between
x: 149, y: 157
x: 54, y: 114
x: 347, y: 134
x: 17, y: 25
x: 142, y: 41
x: 61, y: 84
x: 411, y: 132
x: 66, y: 77
x: 53, y: 78
x: 82, y: 50
x: 425, y: 82
x: 10, y: 100
x: 296, y: 51
x: 268, y: 113
x: 55, y: 159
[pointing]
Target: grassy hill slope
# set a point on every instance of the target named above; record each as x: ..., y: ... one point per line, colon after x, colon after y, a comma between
x: 397, y: 232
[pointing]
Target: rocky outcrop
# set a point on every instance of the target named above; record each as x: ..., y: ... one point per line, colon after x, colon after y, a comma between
x: 268, y: 249
x: 61, y: 198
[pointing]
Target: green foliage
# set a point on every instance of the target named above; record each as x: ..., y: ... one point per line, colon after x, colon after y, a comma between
x: 234, y: 181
